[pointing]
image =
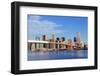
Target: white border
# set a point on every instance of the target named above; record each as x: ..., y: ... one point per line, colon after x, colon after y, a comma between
x: 26, y: 65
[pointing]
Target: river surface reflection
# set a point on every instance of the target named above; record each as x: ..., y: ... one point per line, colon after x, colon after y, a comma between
x: 53, y: 55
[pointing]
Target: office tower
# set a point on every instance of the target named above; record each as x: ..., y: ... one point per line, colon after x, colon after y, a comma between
x: 45, y: 37
x: 63, y: 39
x: 79, y: 41
x: 37, y: 38
x: 53, y: 36
x: 85, y: 46
x: 57, y: 38
x: 78, y: 37
x: 70, y: 41
x: 75, y: 39
x: 82, y: 43
x: 70, y: 44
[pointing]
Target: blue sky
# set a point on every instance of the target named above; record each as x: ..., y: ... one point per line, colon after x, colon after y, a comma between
x: 62, y: 26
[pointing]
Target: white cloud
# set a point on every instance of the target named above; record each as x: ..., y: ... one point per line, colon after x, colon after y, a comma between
x: 37, y: 26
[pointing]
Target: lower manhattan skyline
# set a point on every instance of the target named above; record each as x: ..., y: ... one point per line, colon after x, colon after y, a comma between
x: 61, y: 26
x: 57, y: 37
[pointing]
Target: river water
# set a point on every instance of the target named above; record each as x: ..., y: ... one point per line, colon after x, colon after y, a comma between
x: 54, y: 55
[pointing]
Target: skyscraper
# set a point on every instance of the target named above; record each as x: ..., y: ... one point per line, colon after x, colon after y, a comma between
x: 53, y: 36
x: 45, y: 37
x: 78, y: 37
x: 57, y: 38
x: 63, y: 39
x: 75, y: 39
